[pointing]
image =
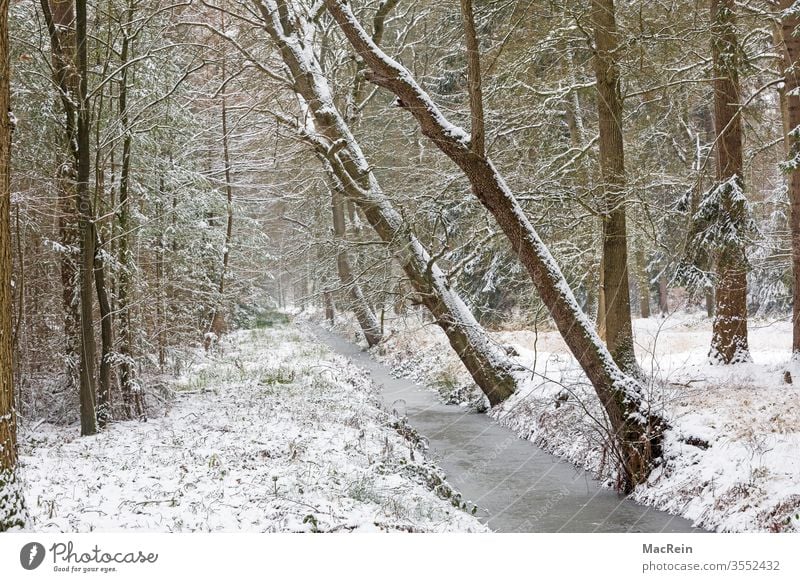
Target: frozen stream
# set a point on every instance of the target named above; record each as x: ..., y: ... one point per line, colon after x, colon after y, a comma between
x: 516, y: 486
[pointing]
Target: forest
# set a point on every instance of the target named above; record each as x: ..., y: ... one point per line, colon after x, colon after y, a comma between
x: 261, y: 259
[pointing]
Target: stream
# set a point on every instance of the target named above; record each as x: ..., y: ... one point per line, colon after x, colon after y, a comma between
x: 516, y: 486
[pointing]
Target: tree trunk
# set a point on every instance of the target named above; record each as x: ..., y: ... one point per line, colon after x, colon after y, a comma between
x: 643, y: 281
x: 330, y: 312
x: 616, y: 290
x: 106, y: 340
x: 104, y: 387
x: 161, y: 308
x: 68, y: 38
x: 131, y: 391
x: 475, y: 88
x: 218, y: 323
x: 663, y: 295
x: 61, y: 27
x: 12, y: 509
x: 70, y: 301
x: 600, y: 322
x: 634, y: 429
x: 363, y: 312
x: 729, y: 341
x: 791, y: 56
x: 86, y: 224
x: 492, y: 370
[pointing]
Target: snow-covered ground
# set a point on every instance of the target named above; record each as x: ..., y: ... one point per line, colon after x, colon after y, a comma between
x: 270, y: 433
x: 732, y: 456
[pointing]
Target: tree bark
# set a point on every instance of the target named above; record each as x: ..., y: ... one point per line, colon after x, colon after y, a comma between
x: 60, y: 22
x: 106, y: 339
x: 663, y: 295
x: 642, y: 280
x: 330, y: 312
x: 601, y: 302
x: 363, y: 312
x: 161, y: 295
x: 729, y: 342
x: 12, y: 509
x: 478, y: 129
x: 70, y: 300
x: 218, y: 321
x: 131, y: 390
x: 790, y: 43
x: 615, y: 286
x: 635, y: 430
x: 86, y: 225
x: 67, y: 30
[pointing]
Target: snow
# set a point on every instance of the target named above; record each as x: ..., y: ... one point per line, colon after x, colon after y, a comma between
x: 12, y: 512
x: 730, y: 456
x: 269, y: 432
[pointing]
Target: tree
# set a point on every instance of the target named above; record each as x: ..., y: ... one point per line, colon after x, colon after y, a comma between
x: 71, y: 70
x: 59, y: 16
x: 615, y: 291
x: 635, y: 430
x: 363, y: 312
x: 790, y: 45
x: 12, y: 508
x: 131, y: 391
x: 725, y: 205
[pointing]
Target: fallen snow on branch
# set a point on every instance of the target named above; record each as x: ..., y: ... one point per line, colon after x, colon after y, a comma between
x: 269, y: 433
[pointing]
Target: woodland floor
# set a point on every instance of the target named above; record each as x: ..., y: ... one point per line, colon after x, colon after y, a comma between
x: 731, y: 459
x: 270, y: 433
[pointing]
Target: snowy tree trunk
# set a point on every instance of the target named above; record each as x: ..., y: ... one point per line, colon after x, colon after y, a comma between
x: 161, y: 295
x: 635, y: 430
x: 67, y: 30
x: 615, y: 290
x: 364, y: 313
x: 85, y: 221
x: 642, y: 280
x: 492, y: 370
x: 12, y: 509
x: 791, y: 62
x: 330, y: 312
x: 663, y: 295
x: 106, y: 339
x: 69, y: 239
x: 729, y: 341
x: 60, y: 23
x: 131, y: 391
x: 478, y: 131
x: 218, y: 321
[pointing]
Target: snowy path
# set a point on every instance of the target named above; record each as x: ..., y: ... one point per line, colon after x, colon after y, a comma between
x: 272, y: 433
x: 517, y: 486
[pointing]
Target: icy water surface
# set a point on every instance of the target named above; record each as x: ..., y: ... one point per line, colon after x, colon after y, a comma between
x: 516, y: 486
